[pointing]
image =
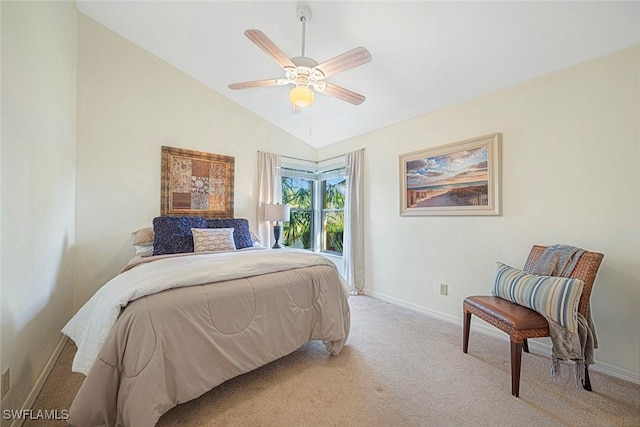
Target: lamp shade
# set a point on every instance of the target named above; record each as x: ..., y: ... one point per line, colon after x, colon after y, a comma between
x: 276, y: 212
x: 301, y: 96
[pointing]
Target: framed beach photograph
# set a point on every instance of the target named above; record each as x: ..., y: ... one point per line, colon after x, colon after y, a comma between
x: 195, y: 183
x: 462, y: 178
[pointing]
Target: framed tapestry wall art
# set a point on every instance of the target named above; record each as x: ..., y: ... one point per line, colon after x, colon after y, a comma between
x: 462, y: 178
x: 196, y: 184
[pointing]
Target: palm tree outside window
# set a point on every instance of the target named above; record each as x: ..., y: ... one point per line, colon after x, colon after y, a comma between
x: 298, y: 193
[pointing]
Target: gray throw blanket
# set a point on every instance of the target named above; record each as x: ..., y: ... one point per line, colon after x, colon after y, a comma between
x: 560, y: 260
x: 557, y: 260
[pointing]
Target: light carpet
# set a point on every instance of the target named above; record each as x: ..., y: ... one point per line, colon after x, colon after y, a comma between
x: 399, y: 368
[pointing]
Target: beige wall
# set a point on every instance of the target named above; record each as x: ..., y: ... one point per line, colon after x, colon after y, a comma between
x: 571, y: 156
x: 130, y: 103
x: 38, y: 186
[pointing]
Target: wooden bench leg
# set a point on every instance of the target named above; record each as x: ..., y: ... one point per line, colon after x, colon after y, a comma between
x: 586, y: 384
x: 465, y: 333
x: 525, y: 346
x: 516, y: 359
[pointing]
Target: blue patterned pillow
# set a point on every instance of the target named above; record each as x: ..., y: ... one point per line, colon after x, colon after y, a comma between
x: 172, y: 235
x: 553, y: 297
x: 241, y: 234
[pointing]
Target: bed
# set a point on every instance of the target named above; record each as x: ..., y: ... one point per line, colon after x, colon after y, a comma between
x: 171, y: 327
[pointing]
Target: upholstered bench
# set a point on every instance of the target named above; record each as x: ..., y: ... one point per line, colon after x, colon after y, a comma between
x: 522, y: 323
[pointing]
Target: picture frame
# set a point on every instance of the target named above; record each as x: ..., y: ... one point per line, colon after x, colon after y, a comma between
x: 460, y: 178
x: 195, y: 183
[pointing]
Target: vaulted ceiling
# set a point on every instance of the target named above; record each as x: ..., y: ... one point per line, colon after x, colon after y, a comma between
x: 426, y: 55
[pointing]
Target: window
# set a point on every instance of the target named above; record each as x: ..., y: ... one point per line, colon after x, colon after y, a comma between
x: 317, y: 209
x: 333, y: 191
x: 298, y: 193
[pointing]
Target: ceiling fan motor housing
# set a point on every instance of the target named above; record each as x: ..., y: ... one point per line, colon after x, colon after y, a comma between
x: 305, y: 73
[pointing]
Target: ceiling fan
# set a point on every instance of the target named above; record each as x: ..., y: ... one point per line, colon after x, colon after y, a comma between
x: 304, y: 72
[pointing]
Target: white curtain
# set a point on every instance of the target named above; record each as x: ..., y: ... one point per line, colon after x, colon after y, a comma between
x: 353, y: 251
x: 269, y: 191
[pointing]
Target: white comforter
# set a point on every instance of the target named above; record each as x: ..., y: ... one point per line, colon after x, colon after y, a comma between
x: 91, y: 324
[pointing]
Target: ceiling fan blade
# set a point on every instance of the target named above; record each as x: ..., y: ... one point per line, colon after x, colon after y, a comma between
x: 258, y: 83
x: 263, y: 42
x: 343, y: 94
x: 346, y: 61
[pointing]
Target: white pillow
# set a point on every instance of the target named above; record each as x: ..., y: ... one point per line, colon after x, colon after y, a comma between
x: 143, y: 237
x: 144, y: 251
x: 213, y: 239
x: 256, y: 240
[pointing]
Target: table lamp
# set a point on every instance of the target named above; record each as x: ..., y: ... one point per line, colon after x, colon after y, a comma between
x: 277, y: 213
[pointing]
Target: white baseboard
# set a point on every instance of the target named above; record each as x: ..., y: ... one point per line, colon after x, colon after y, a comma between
x: 431, y: 313
x: 37, y: 387
x: 485, y: 328
x: 615, y: 371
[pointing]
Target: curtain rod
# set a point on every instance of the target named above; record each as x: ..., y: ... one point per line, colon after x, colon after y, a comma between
x: 315, y: 161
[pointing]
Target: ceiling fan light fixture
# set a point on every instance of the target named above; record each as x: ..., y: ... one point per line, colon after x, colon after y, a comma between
x: 301, y: 96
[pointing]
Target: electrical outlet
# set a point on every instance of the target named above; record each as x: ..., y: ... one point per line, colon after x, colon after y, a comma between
x: 6, y: 382
x: 444, y: 289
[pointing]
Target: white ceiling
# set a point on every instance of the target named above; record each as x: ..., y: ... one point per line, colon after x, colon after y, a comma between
x: 426, y: 55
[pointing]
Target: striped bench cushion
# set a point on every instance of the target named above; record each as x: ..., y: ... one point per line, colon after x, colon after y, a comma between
x: 554, y: 297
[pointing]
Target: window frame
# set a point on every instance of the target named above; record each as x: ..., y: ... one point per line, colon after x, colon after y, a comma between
x: 311, y: 209
x: 318, y: 177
